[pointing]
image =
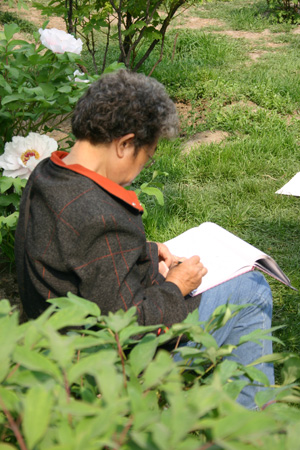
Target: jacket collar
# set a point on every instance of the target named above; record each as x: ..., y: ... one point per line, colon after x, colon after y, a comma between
x: 113, y: 188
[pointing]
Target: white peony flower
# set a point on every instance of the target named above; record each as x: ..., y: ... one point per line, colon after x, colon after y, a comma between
x: 77, y: 74
x: 22, y: 154
x: 59, y: 41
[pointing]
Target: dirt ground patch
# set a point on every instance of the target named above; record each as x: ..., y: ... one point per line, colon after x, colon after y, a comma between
x: 189, y: 115
x: 244, y: 104
x: 254, y: 56
x: 34, y: 15
x: 250, y: 35
x: 206, y: 138
x: 195, y: 23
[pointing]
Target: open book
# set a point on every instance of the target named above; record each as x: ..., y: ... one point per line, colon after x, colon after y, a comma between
x: 223, y: 254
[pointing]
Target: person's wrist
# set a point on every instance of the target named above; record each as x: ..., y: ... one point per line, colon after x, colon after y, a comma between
x: 181, y: 286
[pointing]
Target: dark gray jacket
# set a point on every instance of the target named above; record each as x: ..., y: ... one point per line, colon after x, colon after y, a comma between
x: 83, y: 239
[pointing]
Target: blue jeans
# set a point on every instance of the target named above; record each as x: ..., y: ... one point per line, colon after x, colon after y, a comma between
x: 251, y: 288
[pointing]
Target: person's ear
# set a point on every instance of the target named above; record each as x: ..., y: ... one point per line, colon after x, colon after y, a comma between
x: 124, y: 144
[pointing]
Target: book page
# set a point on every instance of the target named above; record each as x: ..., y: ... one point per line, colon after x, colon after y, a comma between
x: 221, y: 252
x: 269, y: 266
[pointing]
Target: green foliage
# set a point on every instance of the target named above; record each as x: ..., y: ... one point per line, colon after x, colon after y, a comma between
x: 9, y: 17
x: 197, y: 61
x: 137, y: 27
x: 83, y: 19
x: 149, y: 189
x: 244, y: 15
x: 11, y: 191
x: 97, y: 386
x: 285, y: 10
x: 102, y: 388
x: 28, y: 101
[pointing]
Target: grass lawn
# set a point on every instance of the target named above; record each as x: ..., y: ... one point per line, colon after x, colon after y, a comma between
x: 238, y: 73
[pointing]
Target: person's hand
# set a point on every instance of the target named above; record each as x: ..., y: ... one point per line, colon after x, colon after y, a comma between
x: 187, y: 275
x: 163, y: 268
x: 166, y: 259
x: 164, y: 254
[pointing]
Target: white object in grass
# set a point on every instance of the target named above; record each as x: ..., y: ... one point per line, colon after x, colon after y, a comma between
x: 292, y: 187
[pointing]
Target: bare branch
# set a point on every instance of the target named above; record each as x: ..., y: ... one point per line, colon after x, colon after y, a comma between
x: 13, y: 426
x: 163, y: 30
x: 146, y: 55
x: 119, y: 13
x: 160, y: 56
x: 106, y: 47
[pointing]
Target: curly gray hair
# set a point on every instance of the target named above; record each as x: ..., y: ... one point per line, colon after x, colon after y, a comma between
x: 125, y: 102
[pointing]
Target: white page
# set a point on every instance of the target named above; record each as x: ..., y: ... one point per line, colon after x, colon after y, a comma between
x: 222, y: 253
x: 292, y: 187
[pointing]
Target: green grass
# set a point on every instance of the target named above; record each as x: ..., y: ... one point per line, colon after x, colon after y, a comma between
x: 234, y: 183
x: 242, y: 15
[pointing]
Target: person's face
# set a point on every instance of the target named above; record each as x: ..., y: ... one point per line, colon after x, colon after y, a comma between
x: 134, y: 163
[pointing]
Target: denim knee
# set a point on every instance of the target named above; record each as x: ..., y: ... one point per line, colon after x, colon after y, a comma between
x: 264, y: 289
x: 256, y: 289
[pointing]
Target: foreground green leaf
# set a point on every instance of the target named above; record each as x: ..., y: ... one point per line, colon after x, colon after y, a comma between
x: 38, y: 404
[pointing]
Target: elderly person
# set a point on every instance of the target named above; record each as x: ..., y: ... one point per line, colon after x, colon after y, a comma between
x: 81, y: 231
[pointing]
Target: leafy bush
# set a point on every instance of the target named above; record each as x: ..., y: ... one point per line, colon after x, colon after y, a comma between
x: 11, y: 191
x: 285, y: 10
x: 28, y: 101
x: 99, y: 386
x: 136, y: 26
x: 7, y: 17
x: 149, y: 189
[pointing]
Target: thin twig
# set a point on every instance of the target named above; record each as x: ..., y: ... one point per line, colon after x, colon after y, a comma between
x: 13, y: 371
x: 178, y: 341
x: 67, y: 388
x: 174, y: 46
x: 13, y: 426
x: 163, y: 30
x: 207, y: 445
x: 120, y: 351
x: 160, y: 56
x: 123, y: 435
x: 106, y: 46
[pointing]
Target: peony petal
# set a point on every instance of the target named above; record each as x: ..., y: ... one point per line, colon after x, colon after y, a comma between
x: 59, y: 41
x: 32, y: 163
x: 23, y: 154
x: 81, y: 74
x: 14, y: 147
x: 43, y: 144
x: 22, y: 173
x: 9, y: 161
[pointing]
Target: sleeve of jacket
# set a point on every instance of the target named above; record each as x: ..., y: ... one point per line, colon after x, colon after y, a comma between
x: 117, y: 269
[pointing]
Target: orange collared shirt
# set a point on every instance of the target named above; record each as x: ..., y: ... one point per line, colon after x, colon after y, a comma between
x: 110, y: 186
